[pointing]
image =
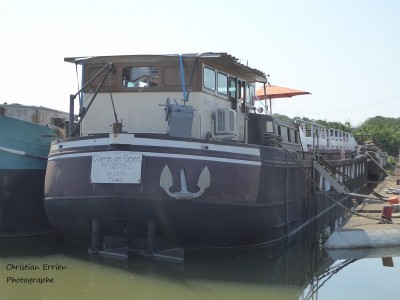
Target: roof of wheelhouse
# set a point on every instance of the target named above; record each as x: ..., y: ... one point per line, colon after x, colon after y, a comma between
x: 216, y: 58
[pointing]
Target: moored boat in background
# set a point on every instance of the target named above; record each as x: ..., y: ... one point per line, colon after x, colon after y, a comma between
x: 376, y: 161
x: 25, y: 136
x: 212, y: 172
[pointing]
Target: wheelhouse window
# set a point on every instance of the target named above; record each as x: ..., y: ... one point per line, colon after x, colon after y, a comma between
x: 209, y: 78
x: 222, y: 84
x: 251, y: 94
x: 232, y: 88
x: 139, y: 77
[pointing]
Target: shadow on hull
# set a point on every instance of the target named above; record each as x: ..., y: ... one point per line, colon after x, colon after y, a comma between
x: 22, y: 211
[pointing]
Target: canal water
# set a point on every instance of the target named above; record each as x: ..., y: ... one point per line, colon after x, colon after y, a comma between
x: 53, y: 268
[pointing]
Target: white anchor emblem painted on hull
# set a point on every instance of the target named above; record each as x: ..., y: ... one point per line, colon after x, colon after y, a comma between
x: 166, y: 183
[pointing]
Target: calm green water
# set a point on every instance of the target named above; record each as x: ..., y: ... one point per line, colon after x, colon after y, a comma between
x: 55, y: 269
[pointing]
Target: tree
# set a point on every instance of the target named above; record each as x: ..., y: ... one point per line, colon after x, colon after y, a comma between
x: 383, y: 131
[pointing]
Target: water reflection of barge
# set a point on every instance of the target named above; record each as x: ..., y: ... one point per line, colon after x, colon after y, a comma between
x: 206, y: 173
x: 257, y: 273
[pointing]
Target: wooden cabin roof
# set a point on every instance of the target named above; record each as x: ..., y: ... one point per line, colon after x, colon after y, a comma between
x: 225, y: 60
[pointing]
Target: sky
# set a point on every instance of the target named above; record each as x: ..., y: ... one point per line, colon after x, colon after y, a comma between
x: 346, y: 53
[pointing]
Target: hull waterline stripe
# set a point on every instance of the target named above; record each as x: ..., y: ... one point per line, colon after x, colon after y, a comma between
x: 166, y: 155
x: 159, y: 143
x: 22, y: 153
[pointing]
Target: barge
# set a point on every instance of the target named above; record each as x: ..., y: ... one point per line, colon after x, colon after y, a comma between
x: 171, y: 150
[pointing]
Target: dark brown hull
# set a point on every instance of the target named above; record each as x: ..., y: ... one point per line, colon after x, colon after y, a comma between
x: 256, y: 195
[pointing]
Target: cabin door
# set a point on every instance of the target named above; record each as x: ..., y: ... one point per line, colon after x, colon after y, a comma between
x: 233, y: 95
x: 242, y: 95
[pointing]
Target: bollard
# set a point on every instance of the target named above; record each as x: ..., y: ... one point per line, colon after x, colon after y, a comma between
x: 387, y: 211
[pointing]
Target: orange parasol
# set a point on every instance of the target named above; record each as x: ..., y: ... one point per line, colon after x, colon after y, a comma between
x: 275, y: 91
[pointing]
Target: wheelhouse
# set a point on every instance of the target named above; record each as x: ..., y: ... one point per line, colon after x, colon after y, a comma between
x: 219, y: 89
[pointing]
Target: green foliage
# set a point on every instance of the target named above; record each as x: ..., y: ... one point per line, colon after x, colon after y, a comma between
x: 284, y: 118
x: 383, y: 131
x: 391, y: 160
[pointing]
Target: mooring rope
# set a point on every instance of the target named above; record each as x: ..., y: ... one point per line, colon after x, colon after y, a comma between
x: 327, y: 194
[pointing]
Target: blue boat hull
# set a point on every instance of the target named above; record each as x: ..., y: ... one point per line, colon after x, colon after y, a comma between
x: 24, y: 147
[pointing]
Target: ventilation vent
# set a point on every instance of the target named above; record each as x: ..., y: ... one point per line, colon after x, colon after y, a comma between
x: 225, y: 121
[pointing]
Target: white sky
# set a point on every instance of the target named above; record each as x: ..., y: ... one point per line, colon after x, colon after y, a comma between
x: 345, y: 52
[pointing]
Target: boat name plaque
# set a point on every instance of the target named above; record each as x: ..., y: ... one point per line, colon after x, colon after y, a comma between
x: 116, y: 167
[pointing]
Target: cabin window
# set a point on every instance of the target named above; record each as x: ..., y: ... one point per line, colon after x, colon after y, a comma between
x: 222, y: 84
x: 279, y: 131
x: 296, y: 138
x: 232, y: 88
x: 269, y: 127
x: 251, y: 93
x: 139, y: 77
x: 289, y: 137
x: 209, y: 78
x: 240, y: 87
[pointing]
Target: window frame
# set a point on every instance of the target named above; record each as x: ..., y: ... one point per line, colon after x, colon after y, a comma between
x: 150, y: 73
x: 204, y: 79
x: 226, y: 83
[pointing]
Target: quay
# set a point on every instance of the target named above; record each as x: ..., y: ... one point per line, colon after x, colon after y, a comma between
x: 364, y: 230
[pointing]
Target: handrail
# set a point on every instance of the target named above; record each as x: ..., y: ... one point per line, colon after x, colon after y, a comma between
x: 316, y: 136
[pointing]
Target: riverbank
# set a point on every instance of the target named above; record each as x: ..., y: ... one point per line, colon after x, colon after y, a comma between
x: 364, y: 230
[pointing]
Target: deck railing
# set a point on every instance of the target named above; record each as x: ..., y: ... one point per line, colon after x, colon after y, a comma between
x: 315, y: 136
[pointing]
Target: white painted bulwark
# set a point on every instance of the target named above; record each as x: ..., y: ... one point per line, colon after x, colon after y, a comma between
x: 121, y: 139
x: 116, y: 167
